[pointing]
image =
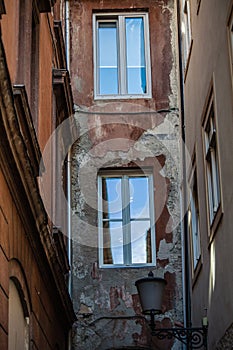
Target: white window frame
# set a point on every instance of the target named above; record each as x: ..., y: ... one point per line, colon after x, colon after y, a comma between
x: 126, y: 227
x: 121, y: 45
x: 211, y: 161
x: 194, y: 221
x: 186, y: 30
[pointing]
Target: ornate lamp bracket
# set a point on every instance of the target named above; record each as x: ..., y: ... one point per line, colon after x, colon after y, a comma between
x: 195, y: 338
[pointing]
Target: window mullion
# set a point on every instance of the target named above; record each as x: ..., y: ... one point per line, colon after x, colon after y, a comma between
x: 122, y: 56
x: 126, y: 221
x: 215, y: 181
x: 147, y: 52
x: 100, y: 220
x: 152, y: 212
x: 210, y: 191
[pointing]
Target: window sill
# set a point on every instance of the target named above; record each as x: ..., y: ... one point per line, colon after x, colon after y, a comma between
x: 135, y: 266
x: 215, y: 223
x: 121, y: 97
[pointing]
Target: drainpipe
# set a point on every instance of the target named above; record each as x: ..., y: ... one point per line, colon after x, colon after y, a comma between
x: 69, y: 219
x: 186, y: 262
x: 67, y: 48
x: 67, y: 32
x: 69, y: 235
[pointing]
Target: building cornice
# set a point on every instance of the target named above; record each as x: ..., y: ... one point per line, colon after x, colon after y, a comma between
x: 27, y: 128
x: 62, y: 88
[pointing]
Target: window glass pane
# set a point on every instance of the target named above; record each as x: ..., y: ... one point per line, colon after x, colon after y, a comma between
x: 107, y: 58
x: 111, y: 193
x: 194, y: 227
x: 139, y: 197
x: 113, y: 243
x: 217, y: 180
x: 135, y: 53
x: 141, y: 242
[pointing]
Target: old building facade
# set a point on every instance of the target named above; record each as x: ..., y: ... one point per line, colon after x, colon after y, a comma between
x: 126, y: 169
x: 92, y: 196
x: 36, y: 311
x: 208, y: 112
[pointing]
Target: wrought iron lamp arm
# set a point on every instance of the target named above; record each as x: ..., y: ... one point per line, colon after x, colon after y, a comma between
x: 194, y: 338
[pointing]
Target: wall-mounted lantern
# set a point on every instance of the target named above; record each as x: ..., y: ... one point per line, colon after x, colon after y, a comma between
x: 150, y: 291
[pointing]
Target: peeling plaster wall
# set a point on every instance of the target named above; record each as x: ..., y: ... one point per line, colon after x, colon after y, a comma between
x: 124, y: 134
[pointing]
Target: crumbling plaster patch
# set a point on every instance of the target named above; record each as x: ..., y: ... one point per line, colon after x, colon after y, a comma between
x: 164, y: 250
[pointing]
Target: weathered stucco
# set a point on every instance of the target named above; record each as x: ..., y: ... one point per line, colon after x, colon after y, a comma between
x: 118, y: 134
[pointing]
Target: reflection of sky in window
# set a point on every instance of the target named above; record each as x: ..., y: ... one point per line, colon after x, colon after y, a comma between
x: 113, y: 197
x: 116, y: 235
x: 139, y: 212
x: 139, y: 197
x: 139, y: 230
x: 107, y: 51
x: 135, y: 52
x: 135, y: 42
x: 138, y: 192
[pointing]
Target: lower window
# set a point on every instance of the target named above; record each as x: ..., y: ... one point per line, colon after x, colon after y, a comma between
x: 126, y: 219
x: 193, y: 222
x: 211, y: 161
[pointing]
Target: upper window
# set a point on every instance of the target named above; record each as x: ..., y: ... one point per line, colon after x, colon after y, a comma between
x: 186, y: 30
x: 121, y: 55
x: 211, y: 156
x: 126, y: 219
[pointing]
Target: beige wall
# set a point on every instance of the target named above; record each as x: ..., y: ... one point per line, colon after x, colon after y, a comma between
x: 209, y: 66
